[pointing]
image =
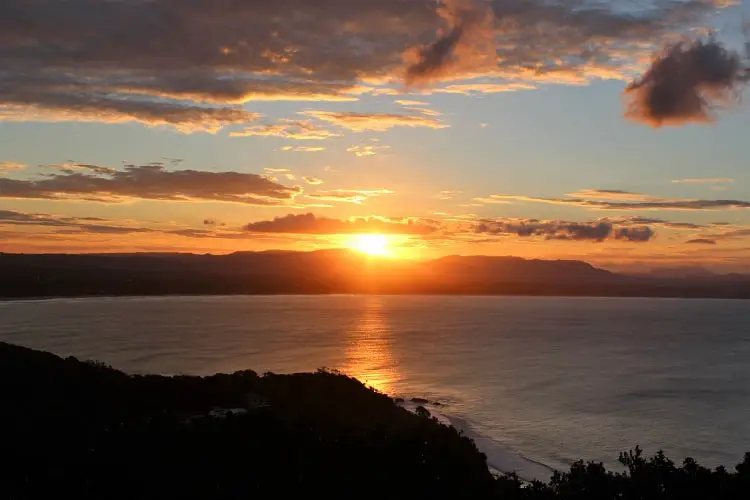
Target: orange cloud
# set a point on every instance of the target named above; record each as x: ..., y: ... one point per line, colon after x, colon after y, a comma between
x: 356, y: 196
x: 311, y: 224
x: 377, y: 122
x: 365, y: 150
x: 484, y: 88
x: 302, y: 130
x: 7, y: 166
x: 406, y: 102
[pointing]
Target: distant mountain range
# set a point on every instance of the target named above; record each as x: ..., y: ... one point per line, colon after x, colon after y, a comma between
x: 338, y: 271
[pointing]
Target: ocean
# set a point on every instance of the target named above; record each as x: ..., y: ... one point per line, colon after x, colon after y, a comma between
x: 537, y: 382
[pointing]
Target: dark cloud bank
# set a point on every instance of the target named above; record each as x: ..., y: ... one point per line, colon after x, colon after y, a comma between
x: 190, y: 64
x: 149, y: 182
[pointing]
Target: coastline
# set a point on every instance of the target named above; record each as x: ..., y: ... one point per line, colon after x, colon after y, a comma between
x: 241, y: 434
x: 31, y: 298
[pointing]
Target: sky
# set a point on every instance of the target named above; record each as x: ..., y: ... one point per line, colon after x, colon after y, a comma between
x: 611, y: 132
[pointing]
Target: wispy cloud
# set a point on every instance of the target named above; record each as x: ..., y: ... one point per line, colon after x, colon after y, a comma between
x: 595, y: 203
x: 407, y: 102
x: 312, y: 224
x: 448, y: 194
x: 365, y: 150
x: 303, y: 130
x: 701, y: 241
x: 150, y: 182
x: 82, y: 226
x: 356, y: 196
x: 7, y: 166
x: 375, y: 122
x: 304, y: 149
x: 312, y: 180
x: 484, y: 88
x: 612, y: 195
x: 704, y: 180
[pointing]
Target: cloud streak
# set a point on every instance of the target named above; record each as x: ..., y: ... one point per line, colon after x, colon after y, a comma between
x: 82, y: 226
x: 375, y: 122
x: 701, y: 241
x: 356, y: 196
x: 596, y: 231
x: 598, y: 201
x: 7, y: 166
x: 704, y: 180
x: 311, y: 224
x: 150, y: 182
x: 301, y: 130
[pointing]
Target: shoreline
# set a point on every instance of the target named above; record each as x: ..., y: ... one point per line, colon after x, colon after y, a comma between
x: 40, y: 298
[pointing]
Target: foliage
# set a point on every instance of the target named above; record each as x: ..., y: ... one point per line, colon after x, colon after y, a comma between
x: 84, y: 430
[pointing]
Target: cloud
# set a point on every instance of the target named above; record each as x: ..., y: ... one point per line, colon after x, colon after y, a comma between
x: 704, y: 180
x: 72, y: 167
x: 611, y: 195
x: 302, y: 130
x: 23, y: 105
x: 270, y: 173
x: 6, y: 166
x: 356, y: 196
x: 60, y: 225
x: 448, y: 194
x: 407, y: 102
x: 311, y: 224
x: 537, y: 41
x: 365, y: 150
x: 654, y: 221
x: 634, y: 234
x: 468, y: 39
x: 141, y: 61
x: 599, y: 230
x: 701, y: 241
x: 67, y: 225
x: 376, y: 122
x: 312, y: 180
x: 303, y: 149
x: 151, y: 182
x: 686, y: 83
x: 484, y: 88
x: 649, y: 204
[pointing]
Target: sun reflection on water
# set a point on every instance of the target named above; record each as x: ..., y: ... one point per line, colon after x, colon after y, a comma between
x: 369, y: 356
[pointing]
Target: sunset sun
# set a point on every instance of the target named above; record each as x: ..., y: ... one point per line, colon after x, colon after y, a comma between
x: 371, y: 244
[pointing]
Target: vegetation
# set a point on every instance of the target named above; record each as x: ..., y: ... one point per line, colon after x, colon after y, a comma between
x: 72, y: 429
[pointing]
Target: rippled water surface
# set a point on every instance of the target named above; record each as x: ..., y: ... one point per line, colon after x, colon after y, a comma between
x: 535, y: 380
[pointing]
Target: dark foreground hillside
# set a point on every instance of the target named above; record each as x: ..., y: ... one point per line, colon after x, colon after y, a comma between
x: 72, y: 429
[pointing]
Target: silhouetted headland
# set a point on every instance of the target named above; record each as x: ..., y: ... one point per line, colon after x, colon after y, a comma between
x: 75, y: 429
x: 337, y: 271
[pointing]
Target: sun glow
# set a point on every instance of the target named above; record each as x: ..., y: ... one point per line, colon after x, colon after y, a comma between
x: 372, y: 244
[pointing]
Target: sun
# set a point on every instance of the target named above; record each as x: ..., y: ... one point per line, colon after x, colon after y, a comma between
x: 371, y: 244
